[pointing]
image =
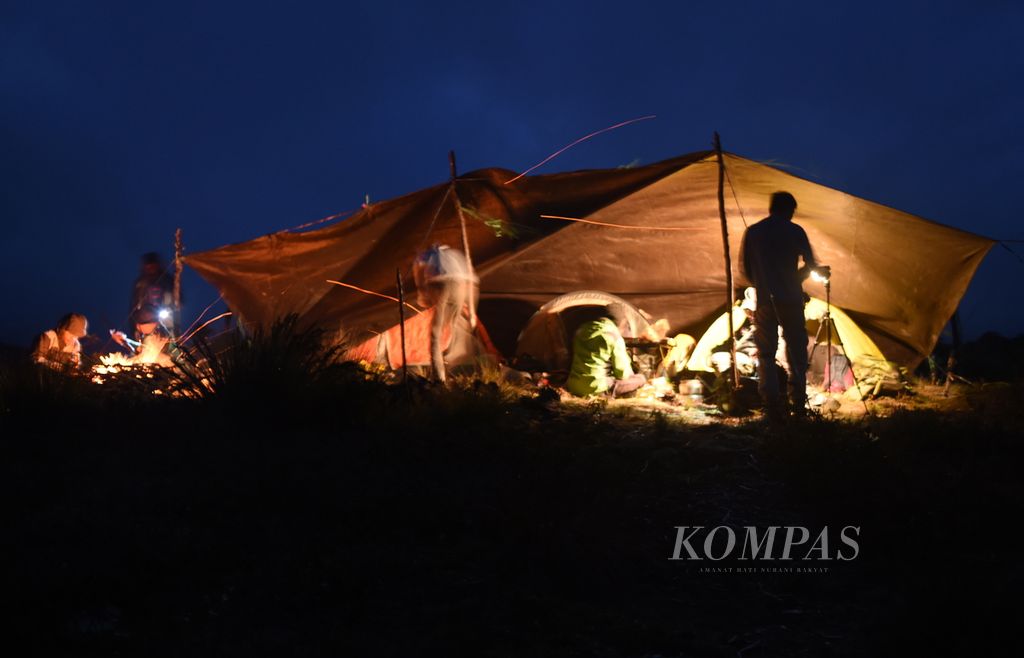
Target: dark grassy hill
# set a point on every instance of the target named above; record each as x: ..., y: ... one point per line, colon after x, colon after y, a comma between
x: 343, y: 516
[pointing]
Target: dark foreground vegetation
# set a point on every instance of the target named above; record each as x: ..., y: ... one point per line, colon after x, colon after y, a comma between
x: 309, y: 509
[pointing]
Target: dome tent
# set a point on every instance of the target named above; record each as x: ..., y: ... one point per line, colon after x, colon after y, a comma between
x: 546, y: 340
x: 857, y: 346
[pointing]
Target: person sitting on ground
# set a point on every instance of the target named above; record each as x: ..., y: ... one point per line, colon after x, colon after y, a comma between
x: 746, y: 347
x: 59, y: 348
x: 152, y: 344
x: 600, y: 363
x: 745, y: 344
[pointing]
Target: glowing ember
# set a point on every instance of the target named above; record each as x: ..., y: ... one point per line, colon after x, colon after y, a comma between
x: 147, y: 364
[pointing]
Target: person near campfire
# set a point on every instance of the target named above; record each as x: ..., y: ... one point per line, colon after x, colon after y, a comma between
x: 445, y: 282
x: 600, y: 363
x: 60, y: 348
x: 152, y: 342
x: 153, y: 287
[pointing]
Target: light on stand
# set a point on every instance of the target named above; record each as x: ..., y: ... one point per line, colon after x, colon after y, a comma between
x: 822, y: 274
x: 164, y: 313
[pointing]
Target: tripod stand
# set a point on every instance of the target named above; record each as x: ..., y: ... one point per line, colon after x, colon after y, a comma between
x: 826, y: 323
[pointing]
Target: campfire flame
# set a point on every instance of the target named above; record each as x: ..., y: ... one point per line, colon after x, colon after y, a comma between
x: 112, y: 360
x: 140, y: 366
x: 152, y: 352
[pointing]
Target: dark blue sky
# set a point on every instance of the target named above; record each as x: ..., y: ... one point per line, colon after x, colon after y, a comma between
x: 121, y: 121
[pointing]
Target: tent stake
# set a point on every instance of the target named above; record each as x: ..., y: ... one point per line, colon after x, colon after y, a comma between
x: 465, y: 238
x: 179, y: 249
x: 728, y: 261
x: 401, y: 324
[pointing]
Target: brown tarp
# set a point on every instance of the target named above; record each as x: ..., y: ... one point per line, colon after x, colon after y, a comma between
x: 899, y: 276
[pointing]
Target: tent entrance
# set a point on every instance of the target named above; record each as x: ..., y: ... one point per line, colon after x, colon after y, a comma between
x: 545, y: 344
x: 832, y: 371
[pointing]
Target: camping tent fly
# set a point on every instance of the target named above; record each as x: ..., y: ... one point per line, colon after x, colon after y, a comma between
x: 658, y: 247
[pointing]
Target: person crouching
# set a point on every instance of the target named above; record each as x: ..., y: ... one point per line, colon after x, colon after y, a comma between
x: 152, y: 342
x: 600, y: 363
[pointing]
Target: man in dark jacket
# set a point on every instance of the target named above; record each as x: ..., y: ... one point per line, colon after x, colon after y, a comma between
x: 777, y: 257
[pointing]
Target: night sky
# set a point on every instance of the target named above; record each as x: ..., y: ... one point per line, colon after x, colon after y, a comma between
x: 121, y: 121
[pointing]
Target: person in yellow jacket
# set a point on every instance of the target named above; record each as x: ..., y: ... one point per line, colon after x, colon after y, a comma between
x: 600, y: 363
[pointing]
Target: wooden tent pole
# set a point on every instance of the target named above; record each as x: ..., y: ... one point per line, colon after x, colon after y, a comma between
x: 465, y: 238
x: 179, y: 249
x: 728, y: 260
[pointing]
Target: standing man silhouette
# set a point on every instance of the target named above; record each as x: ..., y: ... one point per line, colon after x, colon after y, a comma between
x: 777, y: 257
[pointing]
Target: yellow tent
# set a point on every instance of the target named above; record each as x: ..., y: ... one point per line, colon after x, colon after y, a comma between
x: 717, y: 333
x: 859, y: 348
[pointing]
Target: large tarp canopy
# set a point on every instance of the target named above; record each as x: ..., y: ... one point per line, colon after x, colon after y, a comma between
x: 900, y: 277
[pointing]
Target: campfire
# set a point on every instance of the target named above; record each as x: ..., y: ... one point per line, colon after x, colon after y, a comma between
x: 149, y: 368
